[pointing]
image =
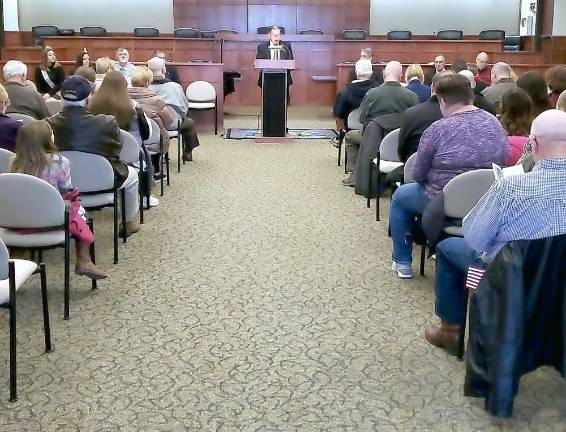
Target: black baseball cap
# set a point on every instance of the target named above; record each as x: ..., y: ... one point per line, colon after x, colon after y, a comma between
x: 75, y: 88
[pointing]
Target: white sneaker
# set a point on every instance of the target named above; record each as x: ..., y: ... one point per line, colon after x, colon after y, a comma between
x: 403, y: 271
x: 153, y: 202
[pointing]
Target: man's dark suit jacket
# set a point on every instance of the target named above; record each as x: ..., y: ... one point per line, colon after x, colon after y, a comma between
x: 264, y: 54
x: 77, y: 129
x: 171, y: 73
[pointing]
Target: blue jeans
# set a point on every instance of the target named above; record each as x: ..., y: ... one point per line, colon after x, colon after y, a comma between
x: 408, y: 202
x: 453, y: 257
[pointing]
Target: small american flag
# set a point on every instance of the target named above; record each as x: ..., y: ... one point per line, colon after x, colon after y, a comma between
x: 473, y: 278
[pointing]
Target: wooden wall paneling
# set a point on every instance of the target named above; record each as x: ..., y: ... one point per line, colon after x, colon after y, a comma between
x: 185, y: 13
x: 18, y: 38
x: 223, y: 14
x: 272, y: 12
x: 327, y: 15
x: 357, y: 15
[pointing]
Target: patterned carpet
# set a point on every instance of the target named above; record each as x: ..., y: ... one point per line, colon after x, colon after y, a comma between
x: 257, y: 297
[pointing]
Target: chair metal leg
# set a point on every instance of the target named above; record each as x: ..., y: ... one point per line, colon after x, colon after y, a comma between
x: 423, y: 257
x: 167, y: 161
x: 45, y: 304
x: 39, y: 256
x: 339, y: 152
x: 216, y: 118
x: 161, y: 161
x: 123, y: 208
x: 368, y: 199
x: 13, y: 360
x: 178, y: 153
x: 90, y: 224
x: 115, y: 211
x: 378, y: 191
x: 67, y: 264
x: 463, y: 327
x: 345, y: 161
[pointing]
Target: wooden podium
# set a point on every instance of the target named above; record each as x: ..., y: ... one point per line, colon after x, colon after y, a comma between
x: 274, y: 98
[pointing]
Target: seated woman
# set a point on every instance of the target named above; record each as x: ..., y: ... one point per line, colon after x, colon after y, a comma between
x: 103, y: 66
x: 113, y: 99
x: 82, y: 59
x: 49, y: 75
x: 516, y: 118
x: 555, y: 78
x: 153, y: 106
x: 535, y: 86
x: 8, y: 126
x: 414, y: 77
x: 37, y: 155
x: 466, y: 138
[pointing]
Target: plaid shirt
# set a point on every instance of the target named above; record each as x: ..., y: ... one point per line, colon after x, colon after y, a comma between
x: 521, y: 207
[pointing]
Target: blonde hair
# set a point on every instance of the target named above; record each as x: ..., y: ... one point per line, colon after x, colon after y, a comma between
x: 4, y: 98
x: 561, y: 102
x: 104, y: 64
x: 414, y: 70
x: 142, y: 76
x: 33, y: 144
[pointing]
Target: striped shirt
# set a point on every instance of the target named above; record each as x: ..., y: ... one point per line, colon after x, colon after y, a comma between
x: 521, y: 207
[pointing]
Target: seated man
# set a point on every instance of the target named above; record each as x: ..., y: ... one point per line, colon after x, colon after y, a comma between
x: 484, y: 70
x: 479, y: 99
x: 351, y: 96
x: 171, y: 71
x: 174, y: 96
x: 367, y: 54
x: 390, y: 97
x: 466, y: 138
x: 439, y: 67
x: 75, y: 128
x: 521, y: 207
x: 23, y: 99
x: 501, y: 82
x: 123, y: 64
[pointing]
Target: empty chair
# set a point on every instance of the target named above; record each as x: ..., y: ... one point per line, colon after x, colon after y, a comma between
x: 492, y: 35
x: 53, y: 106
x: 66, y: 32
x: 13, y: 273
x: 132, y: 154
x: 266, y: 29
x: 450, y: 35
x: 408, y: 169
x: 24, y: 118
x: 202, y: 96
x: 312, y: 32
x: 93, y: 31
x: 51, y: 223
x: 41, y: 31
x: 186, y: 32
x: 146, y: 32
x: 5, y: 160
x: 174, y: 131
x: 399, y: 35
x: 512, y: 43
x: 207, y: 34
x: 354, y: 34
x: 228, y: 31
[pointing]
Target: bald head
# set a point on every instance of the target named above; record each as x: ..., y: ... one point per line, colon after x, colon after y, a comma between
x: 469, y: 75
x: 549, y: 135
x: 481, y: 60
x: 499, y: 71
x: 393, y: 71
x: 157, y: 66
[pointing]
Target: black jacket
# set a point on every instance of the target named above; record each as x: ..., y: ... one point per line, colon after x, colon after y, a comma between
x: 264, y: 53
x: 517, y: 321
x: 56, y: 75
x: 77, y: 129
x: 415, y: 121
x: 351, y: 97
x: 482, y: 103
x: 171, y: 73
x: 377, y: 75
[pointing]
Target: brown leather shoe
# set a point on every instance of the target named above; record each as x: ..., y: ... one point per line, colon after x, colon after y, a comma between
x: 187, y: 156
x: 445, y: 336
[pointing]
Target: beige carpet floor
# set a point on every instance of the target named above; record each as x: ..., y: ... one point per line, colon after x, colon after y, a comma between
x: 257, y: 297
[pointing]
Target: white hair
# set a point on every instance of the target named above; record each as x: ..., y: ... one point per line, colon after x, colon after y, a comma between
x: 14, y: 68
x: 469, y: 75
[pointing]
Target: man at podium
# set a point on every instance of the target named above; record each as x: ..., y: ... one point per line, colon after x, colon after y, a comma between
x: 275, y: 49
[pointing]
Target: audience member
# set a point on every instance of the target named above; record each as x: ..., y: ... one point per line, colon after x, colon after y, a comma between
x: 459, y: 65
x: 352, y: 94
x: 49, y: 75
x: 170, y: 71
x: 501, y: 216
x: 103, y: 65
x: 367, y: 54
x: 556, y: 80
x: 561, y: 102
x: 82, y: 59
x: 173, y: 95
x: 479, y: 99
x: 467, y: 138
x: 153, y: 106
x: 123, y: 64
x: 23, y: 98
x: 8, y: 126
x: 484, y: 71
x: 390, y: 97
x: 535, y: 86
x: 501, y: 82
x: 37, y: 155
x: 516, y: 118
x: 113, y: 99
x: 414, y: 78
x: 88, y: 73
x: 76, y: 128
x: 439, y: 67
